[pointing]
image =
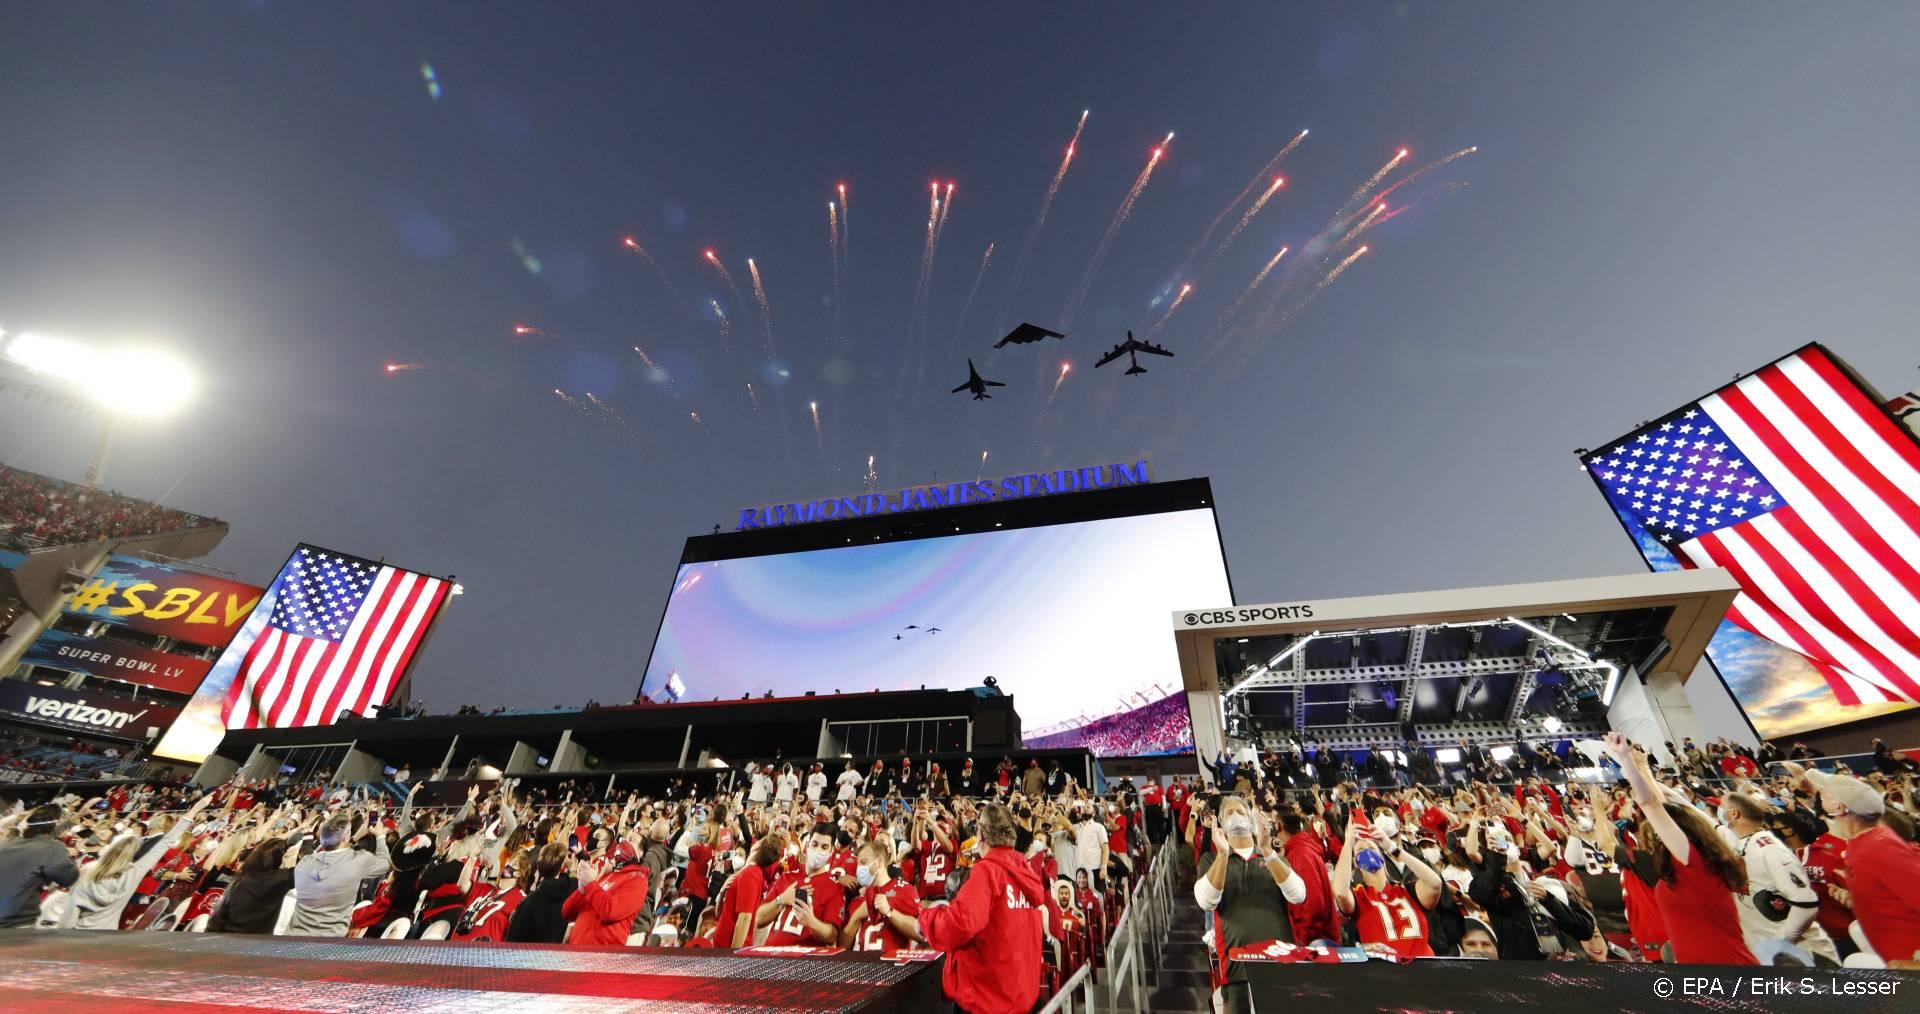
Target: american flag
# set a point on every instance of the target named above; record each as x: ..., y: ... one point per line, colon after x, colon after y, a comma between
x: 1797, y: 482
x: 339, y: 638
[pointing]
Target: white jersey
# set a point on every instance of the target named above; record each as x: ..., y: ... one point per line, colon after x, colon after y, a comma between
x: 762, y: 788
x: 1772, y: 866
x: 816, y: 786
x: 788, y: 783
x: 850, y: 782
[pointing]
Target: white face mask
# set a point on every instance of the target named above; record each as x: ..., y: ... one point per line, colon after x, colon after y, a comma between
x: 1388, y: 825
x: 1586, y: 825
x: 816, y: 860
x: 1430, y: 854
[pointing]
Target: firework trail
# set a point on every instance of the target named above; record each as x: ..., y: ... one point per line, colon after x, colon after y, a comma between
x: 573, y: 403
x: 1272, y: 164
x: 926, y: 257
x: 526, y: 331
x: 754, y: 398
x: 739, y: 298
x: 872, y: 478
x: 846, y: 226
x: 983, y: 454
x: 1061, y: 378
x: 960, y: 326
x: 393, y: 368
x: 1033, y: 234
x: 1379, y: 208
x: 1429, y: 167
x: 1354, y: 199
x: 1113, y: 229
x: 833, y: 248
x: 1162, y: 322
x: 696, y: 418
x: 1252, y: 286
x: 655, y: 373
x: 760, y: 296
x: 726, y: 326
x: 634, y: 245
x: 819, y: 435
x: 613, y: 418
x: 1343, y: 266
x: 1241, y: 226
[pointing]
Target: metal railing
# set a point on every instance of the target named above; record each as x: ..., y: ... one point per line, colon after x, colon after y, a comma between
x: 1135, y: 947
x: 1065, y: 1001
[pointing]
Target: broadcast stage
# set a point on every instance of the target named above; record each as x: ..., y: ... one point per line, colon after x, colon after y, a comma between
x: 98, y: 973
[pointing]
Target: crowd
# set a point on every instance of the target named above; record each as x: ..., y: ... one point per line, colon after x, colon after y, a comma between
x: 1016, y: 872
x: 1706, y: 859
x: 37, y: 511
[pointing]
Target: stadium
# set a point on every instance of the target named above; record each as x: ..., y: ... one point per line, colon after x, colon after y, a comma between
x: 1028, y: 717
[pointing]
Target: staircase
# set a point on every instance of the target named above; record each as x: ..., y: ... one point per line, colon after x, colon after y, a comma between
x: 1180, y: 983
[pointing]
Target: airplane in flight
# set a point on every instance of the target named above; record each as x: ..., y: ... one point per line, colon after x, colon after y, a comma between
x: 1027, y: 334
x: 1132, y: 347
x: 976, y: 384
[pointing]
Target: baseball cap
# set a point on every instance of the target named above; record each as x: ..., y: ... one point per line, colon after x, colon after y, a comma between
x: 624, y: 853
x: 1857, y: 796
x: 1481, y: 925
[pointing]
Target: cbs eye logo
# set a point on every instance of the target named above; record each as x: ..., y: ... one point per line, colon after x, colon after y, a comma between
x: 1192, y: 619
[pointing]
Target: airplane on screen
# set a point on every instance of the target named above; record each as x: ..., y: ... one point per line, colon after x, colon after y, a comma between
x: 1132, y: 347
x: 976, y: 385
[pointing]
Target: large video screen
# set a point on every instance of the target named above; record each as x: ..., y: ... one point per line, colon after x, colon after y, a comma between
x: 1070, y: 619
x: 1798, y: 483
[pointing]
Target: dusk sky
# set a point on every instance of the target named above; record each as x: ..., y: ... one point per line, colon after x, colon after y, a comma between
x: 1662, y: 195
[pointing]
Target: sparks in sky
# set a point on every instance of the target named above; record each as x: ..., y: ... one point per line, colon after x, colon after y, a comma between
x: 1033, y: 234
x: 1266, y: 171
x: 1354, y: 199
x: 405, y: 367
x: 524, y: 330
x: 760, y: 296
x: 1343, y: 266
x: 1162, y: 322
x: 1113, y: 229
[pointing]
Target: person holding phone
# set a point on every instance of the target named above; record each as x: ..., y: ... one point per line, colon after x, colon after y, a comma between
x: 809, y: 906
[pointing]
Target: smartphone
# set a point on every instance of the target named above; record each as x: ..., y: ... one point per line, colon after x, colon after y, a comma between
x: 803, y: 896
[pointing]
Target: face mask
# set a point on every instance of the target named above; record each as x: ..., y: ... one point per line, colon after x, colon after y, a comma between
x: 1370, y: 861
x: 1419, y: 805
x: 863, y: 876
x: 1239, y: 826
x: 1513, y: 853
x: 1586, y: 825
x: 1431, y: 855
x: 816, y: 860
x: 1388, y: 825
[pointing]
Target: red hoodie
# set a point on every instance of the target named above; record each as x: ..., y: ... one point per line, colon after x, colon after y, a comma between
x: 991, y: 933
x: 603, y: 911
x: 1314, y: 918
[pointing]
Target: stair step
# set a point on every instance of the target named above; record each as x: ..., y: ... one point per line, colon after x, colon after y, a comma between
x: 1178, y: 999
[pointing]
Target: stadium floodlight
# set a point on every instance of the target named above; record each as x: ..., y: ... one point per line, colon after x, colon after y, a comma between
x: 126, y: 381
x: 1447, y: 755
x: 1501, y: 753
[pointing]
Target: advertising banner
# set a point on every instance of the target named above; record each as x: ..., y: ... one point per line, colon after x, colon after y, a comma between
x: 81, y: 711
x: 102, y: 656
x: 157, y: 599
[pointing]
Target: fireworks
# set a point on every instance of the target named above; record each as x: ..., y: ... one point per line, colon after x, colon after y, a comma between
x: 726, y: 326
x: 393, y: 368
x: 1429, y: 167
x: 726, y: 276
x: 1157, y: 325
x: 819, y: 435
x: 833, y: 249
x: 760, y: 296
x: 1343, y: 265
x: 1278, y: 182
x: 1354, y: 199
x: 1033, y: 234
x: 525, y: 331
x: 1272, y: 164
x: 846, y: 223
x: 1065, y: 368
x: 1241, y: 301
x: 872, y: 478
x: 1113, y: 229
x: 960, y: 325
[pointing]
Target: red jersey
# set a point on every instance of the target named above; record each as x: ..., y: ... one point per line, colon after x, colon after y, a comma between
x: 739, y: 898
x: 694, y: 882
x: 488, y: 913
x: 1884, y: 873
x: 1826, y: 864
x: 827, y: 899
x: 1117, y: 838
x: 843, y: 863
x: 1703, y: 927
x: 1391, y: 916
x: 934, y: 865
x: 877, y: 933
x: 1643, y: 914
x: 1152, y: 795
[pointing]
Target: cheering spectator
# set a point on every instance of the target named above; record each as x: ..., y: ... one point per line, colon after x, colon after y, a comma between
x: 992, y: 930
x: 326, y: 884
x: 538, y: 919
x: 1883, y: 870
x: 107, y: 884
x: 32, y: 863
x: 1247, y: 886
x: 252, y: 904
x: 1699, y: 876
x: 603, y: 907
